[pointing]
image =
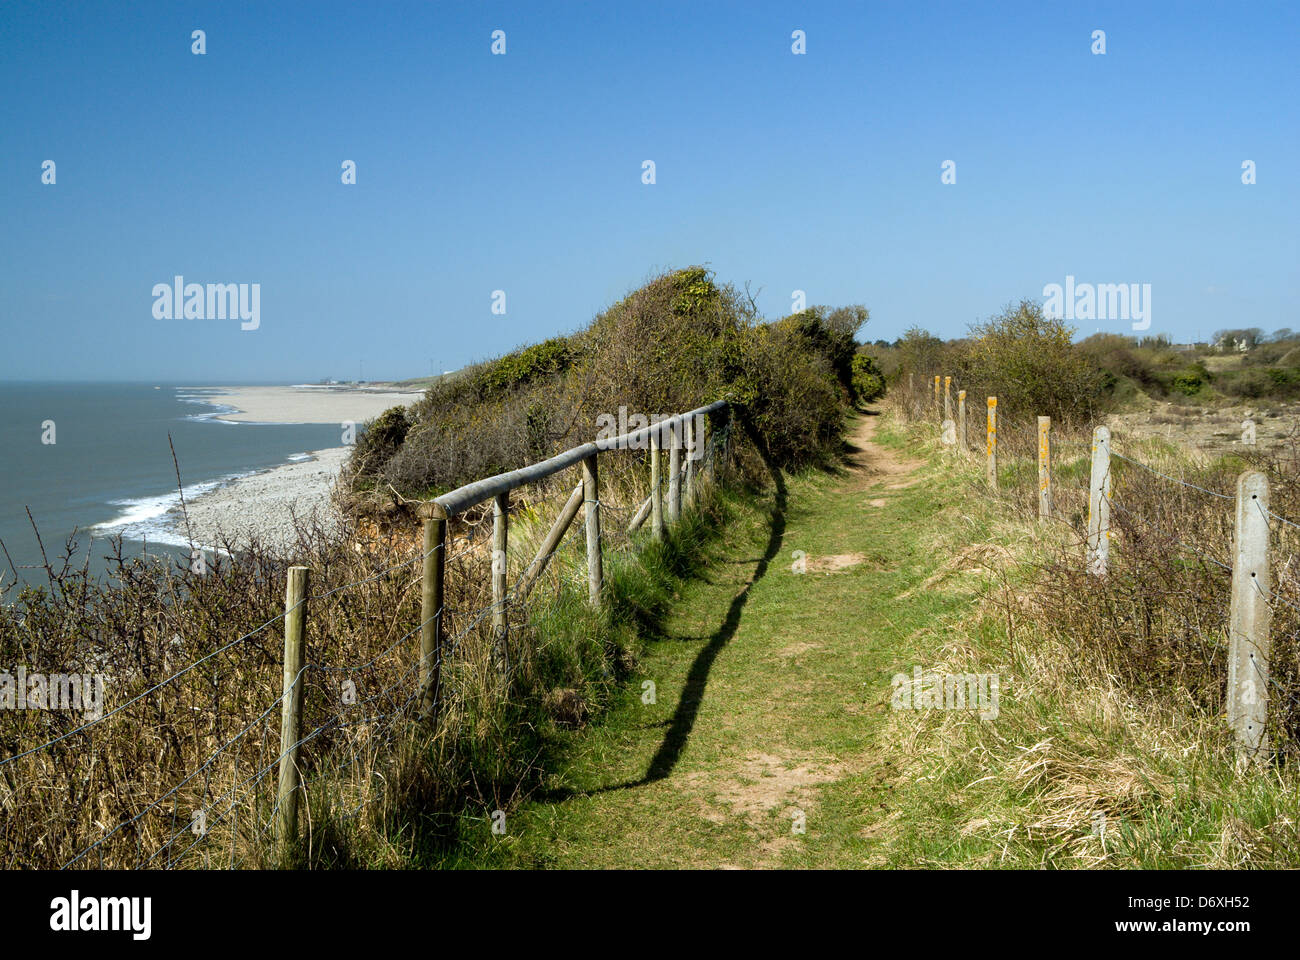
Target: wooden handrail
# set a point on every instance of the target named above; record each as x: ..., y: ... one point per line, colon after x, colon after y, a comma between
x: 462, y: 498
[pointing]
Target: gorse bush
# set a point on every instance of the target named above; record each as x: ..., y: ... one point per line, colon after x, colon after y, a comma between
x: 789, y: 393
x: 868, y: 381
x: 679, y: 341
x: 1190, y: 380
x: 1030, y: 363
x: 383, y: 437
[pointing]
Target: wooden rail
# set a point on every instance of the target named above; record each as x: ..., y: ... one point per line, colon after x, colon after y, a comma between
x: 471, y: 494
x: 685, y: 441
x: 682, y: 441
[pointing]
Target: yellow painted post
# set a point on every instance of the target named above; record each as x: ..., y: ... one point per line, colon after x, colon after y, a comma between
x: 1044, y: 468
x: 962, y: 439
x: 993, y: 443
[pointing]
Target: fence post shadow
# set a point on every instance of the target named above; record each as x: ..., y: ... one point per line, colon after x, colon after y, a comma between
x: 682, y: 722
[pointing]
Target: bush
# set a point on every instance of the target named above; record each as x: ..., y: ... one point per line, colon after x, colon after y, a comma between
x: 381, y: 438
x: 676, y: 343
x: 1027, y: 360
x: 789, y: 394
x: 540, y: 361
x: 1250, y: 384
x: 1189, y: 381
x: 868, y: 381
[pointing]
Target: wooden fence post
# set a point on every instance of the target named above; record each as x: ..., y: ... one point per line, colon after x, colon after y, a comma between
x: 992, y: 443
x: 937, y: 409
x: 947, y: 398
x: 963, y: 442
x: 1099, y: 503
x: 675, y: 473
x: 688, y: 433
x: 1044, y: 468
x: 709, y: 447
x: 500, y: 538
x: 295, y: 622
x: 1249, y: 618
x: 435, y: 550
x: 591, y: 497
x: 533, y: 572
x: 656, y: 484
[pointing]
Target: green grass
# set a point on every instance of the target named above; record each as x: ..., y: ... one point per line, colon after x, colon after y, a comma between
x: 771, y: 688
x: 773, y: 699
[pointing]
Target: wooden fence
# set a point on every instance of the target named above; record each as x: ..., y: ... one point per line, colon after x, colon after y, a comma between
x: 686, y: 447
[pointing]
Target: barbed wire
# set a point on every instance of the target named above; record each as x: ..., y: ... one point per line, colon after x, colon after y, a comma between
x: 276, y: 702
x: 1165, y: 476
x: 155, y: 687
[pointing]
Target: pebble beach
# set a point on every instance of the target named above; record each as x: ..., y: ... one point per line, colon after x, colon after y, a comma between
x: 266, y: 503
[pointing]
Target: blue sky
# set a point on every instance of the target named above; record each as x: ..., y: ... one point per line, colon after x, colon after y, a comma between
x: 522, y: 172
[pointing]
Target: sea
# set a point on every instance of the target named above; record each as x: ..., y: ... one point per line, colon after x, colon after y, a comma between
x: 92, y: 461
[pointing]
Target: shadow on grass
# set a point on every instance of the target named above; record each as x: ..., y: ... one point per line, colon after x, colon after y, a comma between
x: 682, y: 723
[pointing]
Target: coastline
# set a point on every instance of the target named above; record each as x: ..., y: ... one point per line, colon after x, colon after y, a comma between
x: 264, y: 504
x: 303, y: 403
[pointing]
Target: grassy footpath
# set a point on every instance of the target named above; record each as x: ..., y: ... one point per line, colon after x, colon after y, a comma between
x: 773, y: 700
x: 771, y: 688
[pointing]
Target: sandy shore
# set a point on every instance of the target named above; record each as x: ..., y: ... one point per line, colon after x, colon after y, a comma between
x: 265, y: 503
x: 303, y: 404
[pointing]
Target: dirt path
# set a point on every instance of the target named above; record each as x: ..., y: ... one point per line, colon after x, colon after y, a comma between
x: 750, y: 736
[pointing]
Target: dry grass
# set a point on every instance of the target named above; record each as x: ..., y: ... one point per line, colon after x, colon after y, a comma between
x: 1110, y: 748
x: 175, y: 743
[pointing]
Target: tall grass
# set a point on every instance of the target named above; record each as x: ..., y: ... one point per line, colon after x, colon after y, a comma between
x: 1116, y: 683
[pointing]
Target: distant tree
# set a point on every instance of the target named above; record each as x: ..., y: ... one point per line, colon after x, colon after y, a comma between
x: 1031, y: 364
x: 1238, y: 339
x: 847, y: 320
x: 919, y: 352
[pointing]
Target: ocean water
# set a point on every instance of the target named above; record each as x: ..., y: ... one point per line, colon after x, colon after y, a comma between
x: 110, y: 471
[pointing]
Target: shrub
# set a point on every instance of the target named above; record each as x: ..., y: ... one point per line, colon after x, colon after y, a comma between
x: 789, y: 394
x: 381, y: 438
x: 920, y: 353
x: 542, y: 360
x: 868, y: 381
x: 1189, y: 381
x: 1027, y: 360
x: 675, y: 343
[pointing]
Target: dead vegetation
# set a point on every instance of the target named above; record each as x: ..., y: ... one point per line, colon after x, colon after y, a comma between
x: 1111, y: 748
